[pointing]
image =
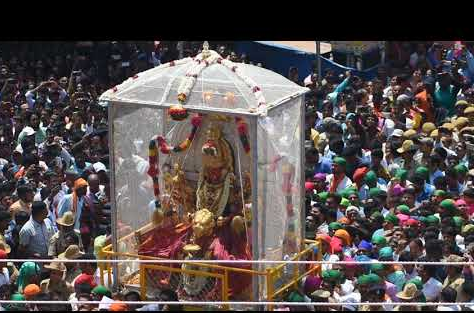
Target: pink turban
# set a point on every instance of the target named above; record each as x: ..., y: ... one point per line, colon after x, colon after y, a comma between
x: 398, y: 190
x: 403, y: 218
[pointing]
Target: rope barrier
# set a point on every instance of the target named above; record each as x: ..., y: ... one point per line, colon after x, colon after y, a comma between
x: 248, y: 303
x: 241, y: 262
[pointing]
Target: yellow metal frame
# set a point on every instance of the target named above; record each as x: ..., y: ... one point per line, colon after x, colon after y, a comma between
x: 220, y: 272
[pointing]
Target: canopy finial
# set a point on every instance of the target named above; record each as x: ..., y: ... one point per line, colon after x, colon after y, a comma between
x: 205, y: 50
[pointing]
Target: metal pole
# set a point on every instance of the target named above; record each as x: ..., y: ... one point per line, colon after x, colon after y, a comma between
x: 318, y: 56
x: 255, y: 208
x: 302, y: 172
x: 111, y: 117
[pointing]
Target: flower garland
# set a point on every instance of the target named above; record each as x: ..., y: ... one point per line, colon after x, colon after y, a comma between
x: 262, y: 106
x: 196, y: 121
x: 154, y: 171
x: 242, y: 129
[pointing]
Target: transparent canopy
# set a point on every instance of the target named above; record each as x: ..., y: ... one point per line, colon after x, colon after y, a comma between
x: 138, y: 110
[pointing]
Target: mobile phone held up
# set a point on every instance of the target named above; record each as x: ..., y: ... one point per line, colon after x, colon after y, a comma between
x: 125, y: 64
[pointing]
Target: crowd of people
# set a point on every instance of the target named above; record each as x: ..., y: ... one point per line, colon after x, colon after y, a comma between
x: 389, y: 177
x: 54, y: 168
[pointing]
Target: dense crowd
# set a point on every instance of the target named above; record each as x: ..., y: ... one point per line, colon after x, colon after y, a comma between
x: 389, y: 174
x: 389, y: 177
x: 54, y: 167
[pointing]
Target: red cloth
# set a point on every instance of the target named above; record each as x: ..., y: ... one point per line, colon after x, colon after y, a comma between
x: 309, y: 186
x: 164, y: 242
x: 3, y: 255
x: 227, y: 247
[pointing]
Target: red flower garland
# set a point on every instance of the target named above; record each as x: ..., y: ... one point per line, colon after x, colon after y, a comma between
x: 165, y: 148
x: 242, y: 129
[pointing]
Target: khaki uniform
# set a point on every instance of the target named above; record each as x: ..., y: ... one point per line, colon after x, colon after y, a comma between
x: 63, y: 288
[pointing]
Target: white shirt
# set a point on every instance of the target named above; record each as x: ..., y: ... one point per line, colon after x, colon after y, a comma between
x: 346, y: 182
x: 432, y: 289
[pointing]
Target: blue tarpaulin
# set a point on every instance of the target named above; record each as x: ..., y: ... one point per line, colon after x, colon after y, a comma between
x: 279, y: 58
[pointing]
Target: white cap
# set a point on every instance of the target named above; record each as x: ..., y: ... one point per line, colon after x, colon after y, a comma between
x: 397, y: 133
x: 29, y: 131
x: 352, y: 208
x: 99, y: 167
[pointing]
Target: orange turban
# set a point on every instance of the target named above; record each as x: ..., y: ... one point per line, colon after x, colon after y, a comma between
x: 359, y: 175
x: 79, y: 183
x: 118, y: 306
x: 30, y: 291
x: 344, y: 235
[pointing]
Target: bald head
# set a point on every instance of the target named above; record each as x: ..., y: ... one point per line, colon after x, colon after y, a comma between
x: 93, y: 181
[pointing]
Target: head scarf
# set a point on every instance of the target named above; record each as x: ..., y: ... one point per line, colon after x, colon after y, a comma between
x: 79, y: 183
x: 365, y: 245
x: 336, y: 245
x: 332, y: 275
x: 345, y: 202
x: 344, y: 220
x: 458, y: 221
x: 359, y: 175
x: 16, y: 306
x: 370, y: 177
x: 379, y: 240
x: 390, y: 218
x: 432, y: 220
x: 311, y: 284
x: 309, y: 186
x: 402, y: 218
x: 374, y: 192
x: 118, y: 306
x: 30, y: 291
x: 411, y: 222
x: 423, y: 171
x: 323, y: 196
x: 340, y: 161
x: 102, y: 291
x: 27, y: 270
x: 401, y: 174
x: 404, y: 209
x: 448, y: 205
x: 335, y: 226
x: 344, y: 235
x: 461, y: 169
x: 85, y: 279
x: 320, y: 176
x: 440, y: 193
x: 346, y: 192
x: 386, y: 253
x: 398, y: 190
